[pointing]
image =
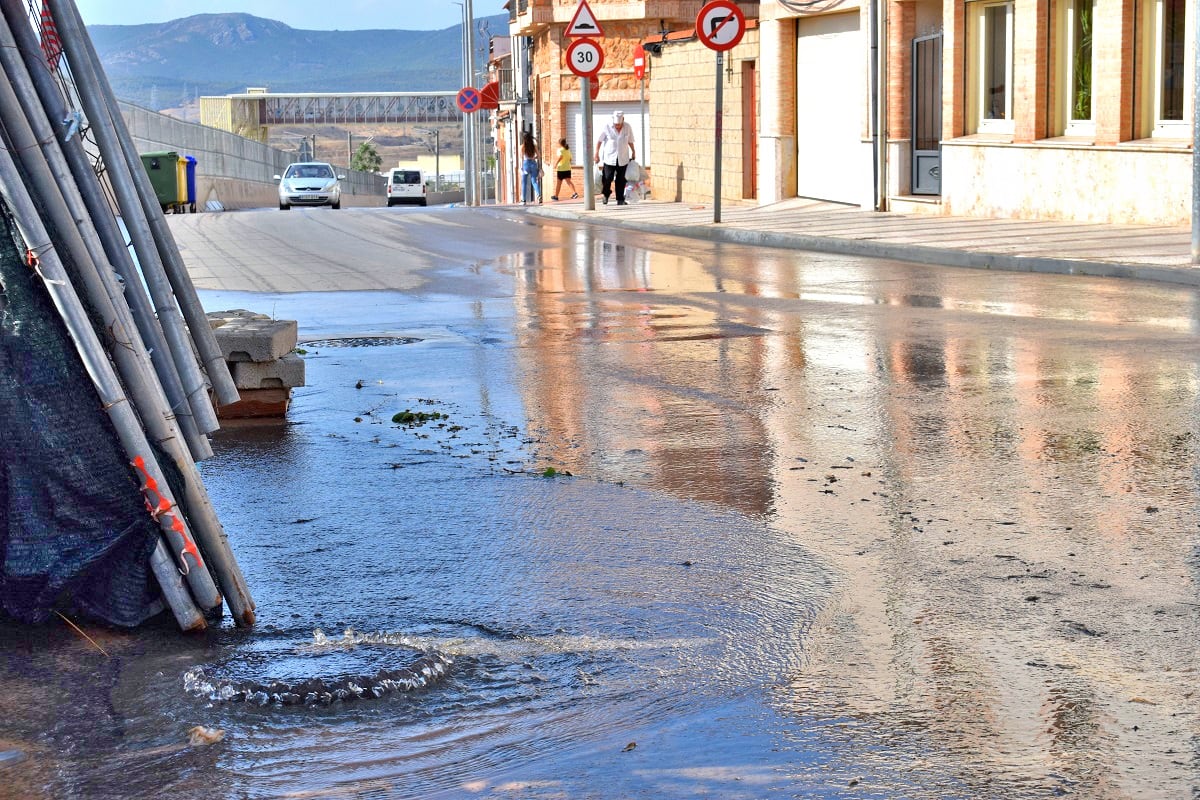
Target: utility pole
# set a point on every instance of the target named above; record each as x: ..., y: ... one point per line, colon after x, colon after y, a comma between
x: 437, y: 156
x: 1196, y: 144
x: 469, y: 145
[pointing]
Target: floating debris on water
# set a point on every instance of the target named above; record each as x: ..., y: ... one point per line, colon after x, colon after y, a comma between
x: 199, y: 734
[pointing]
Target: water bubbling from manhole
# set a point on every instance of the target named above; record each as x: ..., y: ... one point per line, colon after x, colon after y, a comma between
x: 325, y: 671
x: 360, y: 341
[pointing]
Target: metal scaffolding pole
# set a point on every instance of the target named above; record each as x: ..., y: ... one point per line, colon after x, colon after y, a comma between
x: 99, y: 367
x: 23, y: 60
x: 110, y: 130
x: 85, y: 68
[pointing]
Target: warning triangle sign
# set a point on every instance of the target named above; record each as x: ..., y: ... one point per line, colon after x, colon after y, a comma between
x: 584, y: 22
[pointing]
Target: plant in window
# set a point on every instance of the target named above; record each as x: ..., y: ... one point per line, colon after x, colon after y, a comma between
x: 1081, y: 72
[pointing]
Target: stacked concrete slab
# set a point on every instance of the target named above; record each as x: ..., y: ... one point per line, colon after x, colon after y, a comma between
x: 261, y: 355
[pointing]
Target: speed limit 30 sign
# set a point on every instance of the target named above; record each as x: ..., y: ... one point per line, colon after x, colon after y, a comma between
x: 584, y: 57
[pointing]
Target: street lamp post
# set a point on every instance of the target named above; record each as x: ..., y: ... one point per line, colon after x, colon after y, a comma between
x: 437, y: 156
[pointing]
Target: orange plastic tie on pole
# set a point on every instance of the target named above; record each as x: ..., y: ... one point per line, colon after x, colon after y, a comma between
x: 189, y: 547
x: 159, y: 509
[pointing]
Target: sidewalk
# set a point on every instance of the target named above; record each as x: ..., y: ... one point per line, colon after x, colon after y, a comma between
x: 1155, y: 253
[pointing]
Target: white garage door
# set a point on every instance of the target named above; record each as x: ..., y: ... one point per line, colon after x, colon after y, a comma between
x: 831, y: 97
x: 601, y: 116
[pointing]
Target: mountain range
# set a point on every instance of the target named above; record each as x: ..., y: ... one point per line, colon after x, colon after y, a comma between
x: 170, y: 64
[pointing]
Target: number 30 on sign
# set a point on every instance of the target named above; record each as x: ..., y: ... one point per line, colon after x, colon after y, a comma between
x: 584, y: 57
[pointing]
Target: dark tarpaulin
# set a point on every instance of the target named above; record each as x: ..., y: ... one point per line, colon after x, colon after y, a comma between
x: 75, y: 534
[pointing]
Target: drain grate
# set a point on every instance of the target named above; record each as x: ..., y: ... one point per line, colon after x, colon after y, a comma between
x: 360, y: 341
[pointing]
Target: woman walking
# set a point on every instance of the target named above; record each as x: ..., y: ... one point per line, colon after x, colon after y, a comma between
x: 562, y: 170
x: 531, y: 184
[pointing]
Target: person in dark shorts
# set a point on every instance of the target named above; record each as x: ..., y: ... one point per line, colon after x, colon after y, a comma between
x: 614, y: 151
x: 562, y: 169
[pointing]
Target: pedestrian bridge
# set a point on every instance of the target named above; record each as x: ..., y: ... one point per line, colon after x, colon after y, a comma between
x: 251, y: 114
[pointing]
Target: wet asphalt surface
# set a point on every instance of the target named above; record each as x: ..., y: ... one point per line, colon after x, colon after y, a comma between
x: 693, y: 520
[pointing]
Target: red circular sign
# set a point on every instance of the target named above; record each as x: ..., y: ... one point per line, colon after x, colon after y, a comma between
x: 469, y: 100
x: 720, y: 25
x: 584, y: 57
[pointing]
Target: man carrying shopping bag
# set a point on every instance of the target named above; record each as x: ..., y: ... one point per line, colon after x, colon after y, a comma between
x: 614, y: 150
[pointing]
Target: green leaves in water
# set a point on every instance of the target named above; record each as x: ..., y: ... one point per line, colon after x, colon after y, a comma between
x: 407, y: 417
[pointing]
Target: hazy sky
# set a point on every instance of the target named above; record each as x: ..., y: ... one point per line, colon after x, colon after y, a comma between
x: 317, y: 15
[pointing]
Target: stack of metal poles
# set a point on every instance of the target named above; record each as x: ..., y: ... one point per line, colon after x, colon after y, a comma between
x: 143, y: 360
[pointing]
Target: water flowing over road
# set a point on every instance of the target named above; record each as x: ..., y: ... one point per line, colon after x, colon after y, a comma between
x: 668, y: 519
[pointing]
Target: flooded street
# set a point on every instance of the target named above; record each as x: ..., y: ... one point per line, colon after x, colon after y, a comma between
x: 669, y: 519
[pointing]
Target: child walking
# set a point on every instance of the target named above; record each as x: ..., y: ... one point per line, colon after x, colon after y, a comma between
x: 562, y: 169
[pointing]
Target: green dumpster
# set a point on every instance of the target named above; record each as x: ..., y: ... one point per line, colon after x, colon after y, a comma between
x: 163, y: 169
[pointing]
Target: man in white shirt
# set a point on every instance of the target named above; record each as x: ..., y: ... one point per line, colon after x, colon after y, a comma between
x: 614, y: 150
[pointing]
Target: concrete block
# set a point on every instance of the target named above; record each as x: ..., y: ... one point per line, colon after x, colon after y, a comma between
x: 246, y: 336
x: 286, y: 372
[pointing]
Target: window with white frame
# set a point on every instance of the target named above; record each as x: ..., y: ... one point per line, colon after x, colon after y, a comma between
x: 1167, y: 99
x: 1074, y: 68
x: 990, y: 66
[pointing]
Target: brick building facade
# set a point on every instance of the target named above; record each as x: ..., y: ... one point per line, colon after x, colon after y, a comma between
x: 683, y: 73
x: 1062, y: 109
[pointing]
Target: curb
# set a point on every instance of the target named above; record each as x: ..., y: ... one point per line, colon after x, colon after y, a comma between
x: 913, y: 253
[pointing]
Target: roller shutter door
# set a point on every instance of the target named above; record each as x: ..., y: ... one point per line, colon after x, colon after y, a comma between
x: 601, y: 116
x: 832, y: 162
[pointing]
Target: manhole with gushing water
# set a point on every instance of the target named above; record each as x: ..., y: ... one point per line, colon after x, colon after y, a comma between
x: 324, y: 671
x: 359, y: 341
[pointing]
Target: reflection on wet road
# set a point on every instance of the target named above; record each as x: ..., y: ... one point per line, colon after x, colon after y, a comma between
x: 816, y: 527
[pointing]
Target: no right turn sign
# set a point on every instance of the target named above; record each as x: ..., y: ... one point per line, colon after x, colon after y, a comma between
x: 720, y: 25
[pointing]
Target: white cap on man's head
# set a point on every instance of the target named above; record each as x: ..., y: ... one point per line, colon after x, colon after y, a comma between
x: 618, y: 116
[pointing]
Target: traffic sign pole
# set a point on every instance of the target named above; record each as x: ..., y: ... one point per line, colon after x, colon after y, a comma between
x: 589, y: 169
x: 720, y: 26
x: 584, y: 58
x: 717, y: 139
x: 639, y: 71
x: 642, y: 109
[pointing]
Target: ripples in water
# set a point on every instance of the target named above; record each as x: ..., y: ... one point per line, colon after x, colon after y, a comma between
x: 355, y: 667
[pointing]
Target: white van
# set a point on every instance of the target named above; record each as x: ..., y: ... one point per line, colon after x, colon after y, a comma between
x: 405, y: 186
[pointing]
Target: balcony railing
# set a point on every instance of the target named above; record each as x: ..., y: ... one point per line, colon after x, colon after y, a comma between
x: 509, y: 91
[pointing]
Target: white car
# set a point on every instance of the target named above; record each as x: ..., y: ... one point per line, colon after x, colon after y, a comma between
x: 406, y: 186
x: 310, y: 183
